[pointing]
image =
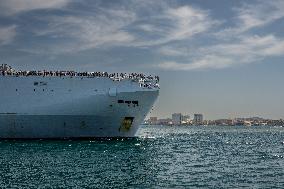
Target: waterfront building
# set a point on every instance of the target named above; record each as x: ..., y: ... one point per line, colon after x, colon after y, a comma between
x: 166, y: 121
x: 198, y: 119
x: 185, y: 119
x: 176, y: 118
x: 224, y: 122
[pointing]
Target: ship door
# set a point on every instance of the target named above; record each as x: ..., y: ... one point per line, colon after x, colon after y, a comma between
x: 126, y: 124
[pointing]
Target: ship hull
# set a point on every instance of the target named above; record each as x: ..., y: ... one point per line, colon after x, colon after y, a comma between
x: 73, y: 109
x: 62, y: 127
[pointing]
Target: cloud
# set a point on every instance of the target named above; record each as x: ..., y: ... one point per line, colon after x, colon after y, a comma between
x: 251, y: 16
x: 189, y: 21
x: 249, y: 49
x: 175, y: 24
x: 123, y: 25
x: 234, y: 46
x: 255, y: 46
x: 149, y: 28
x: 207, y: 62
x: 10, y: 7
x: 7, y: 34
x: 173, y: 51
x: 260, y: 14
x: 78, y: 33
x: 182, y: 36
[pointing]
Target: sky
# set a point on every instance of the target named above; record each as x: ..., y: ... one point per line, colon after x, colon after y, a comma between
x: 220, y: 58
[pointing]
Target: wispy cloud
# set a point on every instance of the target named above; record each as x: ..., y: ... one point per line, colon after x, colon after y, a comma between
x: 78, y: 33
x: 173, y: 51
x: 237, y: 45
x: 182, y: 36
x: 249, y: 49
x: 255, y: 15
x: 207, y: 62
x: 189, y: 21
x: 87, y: 33
x: 251, y: 46
x: 149, y: 28
x: 175, y: 24
x: 7, y: 34
x: 10, y: 7
x: 250, y: 16
x: 125, y: 25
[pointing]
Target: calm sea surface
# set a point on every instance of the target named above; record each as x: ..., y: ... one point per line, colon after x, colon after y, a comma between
x: 162, y: 157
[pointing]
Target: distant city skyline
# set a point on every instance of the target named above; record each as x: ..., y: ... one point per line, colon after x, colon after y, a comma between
x: 179, y: 119
x: 220, y: 58
x: 192, y: 117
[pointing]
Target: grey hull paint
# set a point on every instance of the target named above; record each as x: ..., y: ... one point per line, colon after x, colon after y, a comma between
x: 62, y: 126
x: 70, y: 107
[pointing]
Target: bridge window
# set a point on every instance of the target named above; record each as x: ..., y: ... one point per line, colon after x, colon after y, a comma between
x: 120, y: 101
x: 128, y: 102
x: 135, y: 102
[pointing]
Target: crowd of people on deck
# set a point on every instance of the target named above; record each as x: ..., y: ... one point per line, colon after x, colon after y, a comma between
x: 144, y: 80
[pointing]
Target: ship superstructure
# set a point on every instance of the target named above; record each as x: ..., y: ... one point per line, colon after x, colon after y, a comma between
x: 68, y: 104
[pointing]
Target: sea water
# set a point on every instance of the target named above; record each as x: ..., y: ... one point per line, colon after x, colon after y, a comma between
x: 161, y: 157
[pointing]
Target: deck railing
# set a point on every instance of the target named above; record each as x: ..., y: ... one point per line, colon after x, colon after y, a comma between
x: 145, y: 81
